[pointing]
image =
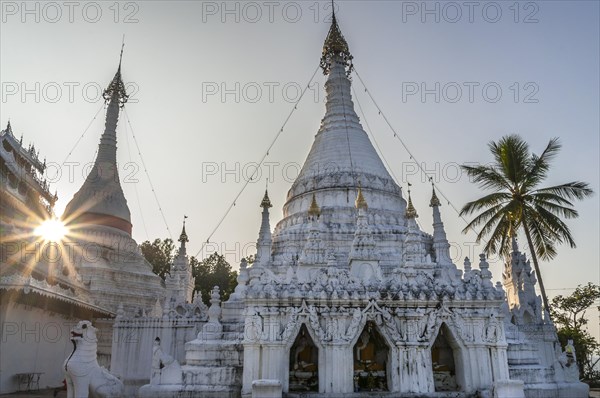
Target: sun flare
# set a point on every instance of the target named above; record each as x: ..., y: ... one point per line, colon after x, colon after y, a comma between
x: 51, y: 230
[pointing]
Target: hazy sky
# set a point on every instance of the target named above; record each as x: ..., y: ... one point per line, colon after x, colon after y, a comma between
x: 211, y: 84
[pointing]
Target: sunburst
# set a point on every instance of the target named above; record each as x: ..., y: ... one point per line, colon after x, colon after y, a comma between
x: 51, y: 230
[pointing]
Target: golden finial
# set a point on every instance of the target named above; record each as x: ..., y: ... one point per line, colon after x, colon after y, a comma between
x: 411, y: 212
x: 435, y: 201
x: 335, y: 46
x: 314, y: 210
x: 266, y: 202
x: 360, y: 202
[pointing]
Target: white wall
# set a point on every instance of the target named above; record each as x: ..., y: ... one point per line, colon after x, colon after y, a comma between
x: 32, y: 340
x: 132, y: 342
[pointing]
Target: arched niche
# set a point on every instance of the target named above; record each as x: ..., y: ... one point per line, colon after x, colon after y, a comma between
x: 372, y: 360
x: 303, y: 363
x: 447, y: 362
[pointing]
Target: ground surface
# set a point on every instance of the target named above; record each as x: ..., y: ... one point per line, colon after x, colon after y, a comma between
x: 594, y: 393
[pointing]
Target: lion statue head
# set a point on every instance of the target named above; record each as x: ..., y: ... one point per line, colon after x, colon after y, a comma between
x: 84, y: 332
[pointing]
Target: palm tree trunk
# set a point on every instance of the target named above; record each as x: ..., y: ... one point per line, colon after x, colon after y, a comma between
x: 537, y: 268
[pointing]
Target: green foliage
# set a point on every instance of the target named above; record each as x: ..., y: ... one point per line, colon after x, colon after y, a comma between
x: 568, y: 314
x: 160, y: 254
x: 518, y: 202
x: 213, y: 271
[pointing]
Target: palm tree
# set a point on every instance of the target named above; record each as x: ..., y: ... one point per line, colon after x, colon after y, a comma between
x: 517, y: 201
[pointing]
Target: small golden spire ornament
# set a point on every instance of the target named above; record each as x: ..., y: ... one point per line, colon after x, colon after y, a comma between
x: 411, y: 212
x: 435, y: 201
x: 314, y: 210
x: 361, y: 202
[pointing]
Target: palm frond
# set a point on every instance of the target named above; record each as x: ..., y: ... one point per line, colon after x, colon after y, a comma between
x: 571, y: 190
x: 497, y: 242
x: 555, y: 209
x: 547, y: 197
x: 487, y: 177
x: 491, y: 200
x: 542, y: 238
x: 488, y: 218
x: 511, y: 154
x: 558, y: 228
x: 539, y: 165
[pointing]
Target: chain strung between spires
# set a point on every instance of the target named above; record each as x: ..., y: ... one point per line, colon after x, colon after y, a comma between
x: 336, y: 46
x: 116, y: 88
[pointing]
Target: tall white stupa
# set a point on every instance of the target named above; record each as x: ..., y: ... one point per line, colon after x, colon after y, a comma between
x: 106, y: 256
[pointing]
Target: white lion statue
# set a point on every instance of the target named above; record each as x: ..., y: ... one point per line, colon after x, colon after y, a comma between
x: 84, y: 377
x: 165, y: 369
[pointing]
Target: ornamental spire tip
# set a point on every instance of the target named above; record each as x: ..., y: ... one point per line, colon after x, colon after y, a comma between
x: 335, y: 48
x: 435, y: 201
x: 361, y: 202
x: 411, y: 212
x: 183, y: 237
x: 314, y: 210
x: 266, y: 202
x: 116, y: 89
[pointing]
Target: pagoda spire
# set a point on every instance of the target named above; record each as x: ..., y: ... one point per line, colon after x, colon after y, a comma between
x: 183, y: 238
x: 440, y: 241
x: 313, y: 252
x: 336, y: 62
x: 435, y: 201
x: 363, y: 245
x: 116, y: 97
x: 364, y: 257
x: 100, y: 200
x: 116, y: 88
x: 264, y: 244
x: 180, y: 281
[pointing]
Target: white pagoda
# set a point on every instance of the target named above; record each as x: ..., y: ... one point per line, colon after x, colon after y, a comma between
x: 106, y: 256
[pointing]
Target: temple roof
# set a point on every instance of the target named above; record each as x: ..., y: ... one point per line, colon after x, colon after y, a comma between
x: 25, y: 165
